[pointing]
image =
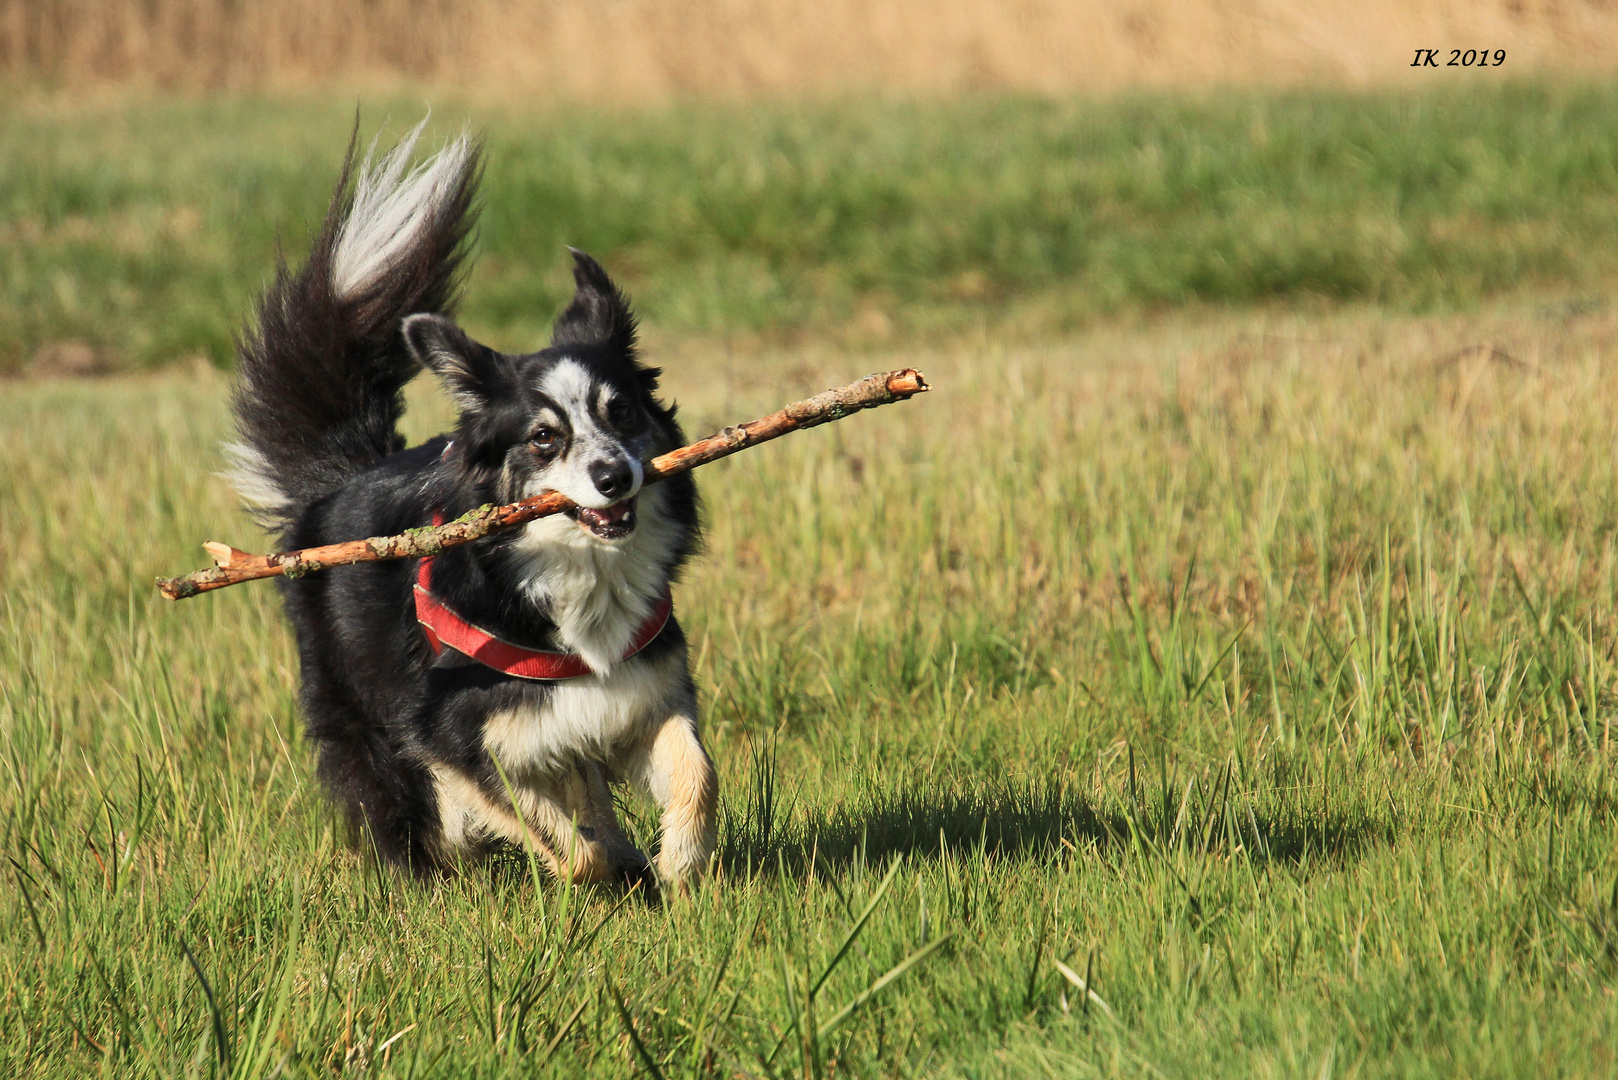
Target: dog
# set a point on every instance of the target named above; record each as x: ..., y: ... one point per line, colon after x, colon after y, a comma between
x: 494, y: 695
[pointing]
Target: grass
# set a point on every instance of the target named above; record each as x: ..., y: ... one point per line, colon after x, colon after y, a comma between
x: 1256, y: 670
x: 136, y: 233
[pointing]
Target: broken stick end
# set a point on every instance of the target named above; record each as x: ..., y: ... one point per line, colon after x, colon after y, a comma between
x: 176, y: 588
x: 908, y: 381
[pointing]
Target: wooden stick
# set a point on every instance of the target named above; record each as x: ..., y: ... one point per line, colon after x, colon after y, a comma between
x: 233, y: 566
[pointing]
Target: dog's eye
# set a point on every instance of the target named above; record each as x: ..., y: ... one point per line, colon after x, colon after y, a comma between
x: 622, y: 415
x: 545, y: 439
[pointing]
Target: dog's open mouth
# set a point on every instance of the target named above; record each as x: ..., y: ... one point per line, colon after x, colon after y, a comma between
x: 613, y: 523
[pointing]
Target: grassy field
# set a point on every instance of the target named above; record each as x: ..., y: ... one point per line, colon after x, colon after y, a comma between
x: 1231, y: 631
x: 1259, y: 670
x: 133, y: 234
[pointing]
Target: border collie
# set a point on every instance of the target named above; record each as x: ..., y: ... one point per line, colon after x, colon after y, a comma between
x: 492, y: 695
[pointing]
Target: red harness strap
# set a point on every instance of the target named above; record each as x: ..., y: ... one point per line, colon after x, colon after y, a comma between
x: 444, y: 627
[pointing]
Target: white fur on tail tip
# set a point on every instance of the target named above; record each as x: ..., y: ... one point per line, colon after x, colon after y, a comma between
x: 254, y: 483
x: 391, y: 206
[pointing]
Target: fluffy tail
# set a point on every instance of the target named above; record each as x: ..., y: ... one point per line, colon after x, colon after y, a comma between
x: 321, y: 374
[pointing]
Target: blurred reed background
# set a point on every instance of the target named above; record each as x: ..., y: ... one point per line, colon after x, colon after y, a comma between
x: 653, y: 50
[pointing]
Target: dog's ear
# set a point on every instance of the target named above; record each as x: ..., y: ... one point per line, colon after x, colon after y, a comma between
x: 599, y: 313
x: 469, y: 371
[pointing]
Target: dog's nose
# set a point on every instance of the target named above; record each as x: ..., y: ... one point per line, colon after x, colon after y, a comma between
x: 612, y: 478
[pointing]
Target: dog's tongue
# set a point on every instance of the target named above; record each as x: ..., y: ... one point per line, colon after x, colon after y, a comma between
x: 612, y: 515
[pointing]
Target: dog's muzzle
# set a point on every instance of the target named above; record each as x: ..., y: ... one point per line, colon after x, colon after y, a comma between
x: 612, y: 523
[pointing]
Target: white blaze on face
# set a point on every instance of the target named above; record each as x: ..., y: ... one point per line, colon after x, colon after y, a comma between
x: 568, y: 384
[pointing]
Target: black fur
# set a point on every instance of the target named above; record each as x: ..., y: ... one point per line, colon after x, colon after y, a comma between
x: 319, y: 399
x: 320, y: 377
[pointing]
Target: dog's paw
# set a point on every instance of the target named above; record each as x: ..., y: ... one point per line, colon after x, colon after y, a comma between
x: 639, y: 877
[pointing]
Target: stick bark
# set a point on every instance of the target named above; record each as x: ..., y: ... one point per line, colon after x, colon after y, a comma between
x: 233, y: 567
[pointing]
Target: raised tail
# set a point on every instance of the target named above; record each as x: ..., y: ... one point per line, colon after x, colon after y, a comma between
x: 322, y: 371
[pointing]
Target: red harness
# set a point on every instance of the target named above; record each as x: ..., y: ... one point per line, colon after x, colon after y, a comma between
x: 444, y: 627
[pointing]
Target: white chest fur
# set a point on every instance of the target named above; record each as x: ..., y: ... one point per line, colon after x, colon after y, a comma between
x: 598, y: 594
x: 586, y: 718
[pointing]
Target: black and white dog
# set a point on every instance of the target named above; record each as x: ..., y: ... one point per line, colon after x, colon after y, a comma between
x: 492, y: 694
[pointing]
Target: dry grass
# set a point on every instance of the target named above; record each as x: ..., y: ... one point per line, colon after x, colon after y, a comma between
x: 651, y: 50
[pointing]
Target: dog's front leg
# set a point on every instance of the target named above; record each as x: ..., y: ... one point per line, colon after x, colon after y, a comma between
x: 555, y: 817
x: 589, y: 799
x: 671, y: 764
x: 582, y: 840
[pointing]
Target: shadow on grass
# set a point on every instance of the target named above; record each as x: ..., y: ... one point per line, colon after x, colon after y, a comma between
x: 1038, y: 819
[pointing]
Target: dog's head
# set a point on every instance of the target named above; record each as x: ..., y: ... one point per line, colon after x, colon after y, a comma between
x: 580, y: 417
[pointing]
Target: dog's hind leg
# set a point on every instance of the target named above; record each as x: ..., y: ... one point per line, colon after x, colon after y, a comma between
x: 388, y: 798
x: 671, y: 764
